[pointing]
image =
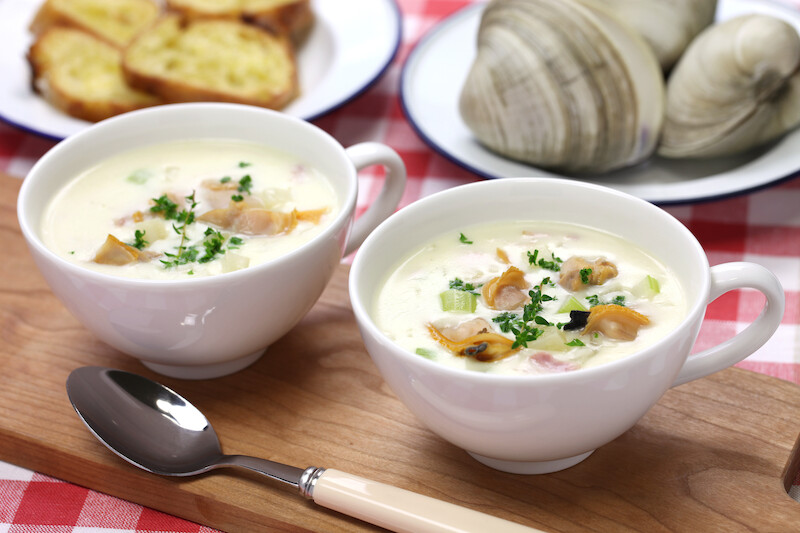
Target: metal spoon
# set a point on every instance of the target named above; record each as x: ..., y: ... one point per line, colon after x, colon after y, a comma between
x: 154, y: 428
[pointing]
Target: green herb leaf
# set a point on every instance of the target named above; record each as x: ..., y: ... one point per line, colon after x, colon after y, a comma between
x: 554, y: 264
x: 166, y: 207
x: 594, y: 300
x: 226, y: 179
x: 585, y: 273
x: 243, y: 164
x: 575, y: 342
x: 463, y: 238
x: 138, y: 240
x: 245, y: 184
x: 458, y: 284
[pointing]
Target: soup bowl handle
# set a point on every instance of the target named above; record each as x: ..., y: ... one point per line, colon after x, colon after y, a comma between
x: 364, y: 155
x: 724, y: 278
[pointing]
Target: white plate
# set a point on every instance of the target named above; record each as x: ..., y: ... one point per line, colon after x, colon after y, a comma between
x: 348, y: 49
x: 435, y: 71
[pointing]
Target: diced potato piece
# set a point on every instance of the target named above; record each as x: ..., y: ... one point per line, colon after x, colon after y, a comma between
x: 154, y: 229
x: 231, y: 262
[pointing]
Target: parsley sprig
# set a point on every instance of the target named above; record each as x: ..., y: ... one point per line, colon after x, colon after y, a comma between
x: 459, y: 284
x: 525, y: 327
x: 554, y: 264
x: 594, y: 300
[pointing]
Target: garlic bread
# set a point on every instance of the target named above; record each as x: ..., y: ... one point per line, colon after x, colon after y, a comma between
x: 114, y: 21
x: 212, y: 60
x: 81, y: 75
x: 291, y: 17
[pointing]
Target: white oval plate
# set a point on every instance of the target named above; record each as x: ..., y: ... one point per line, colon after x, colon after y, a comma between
x: 435, y: 71
x: 348, y: 49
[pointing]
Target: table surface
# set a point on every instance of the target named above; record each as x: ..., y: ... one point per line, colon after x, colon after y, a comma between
x: 761, y: 227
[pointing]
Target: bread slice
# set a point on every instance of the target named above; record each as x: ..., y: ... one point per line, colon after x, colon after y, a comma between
x: 81, y: 75
x: 212, y: 60
x: 114, y: 21
x: 291, y: 17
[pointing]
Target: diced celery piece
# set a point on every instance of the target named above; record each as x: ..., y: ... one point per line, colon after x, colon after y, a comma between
x: 140, y: 175
x: 424, y: 352
x: 572, y: 305
x: 456, y: 301
x: 647, y: 288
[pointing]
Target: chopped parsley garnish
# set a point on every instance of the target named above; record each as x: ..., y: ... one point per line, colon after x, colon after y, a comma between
x: 524, y: 328
x: 237, y: 197
x: 585, y: 273
x: 235, y: 242
x: 594, y: 300
x: 165, y: 206
x: 554, y: 264
x: 459, y: 284
x: 226, y: 179
x: 138, y: 240
x: 213, y: 243
x: 575, y: 342
x: 245, y: 184
x: 185, y: 254
x: 243, y: 164
x: 463, y: 238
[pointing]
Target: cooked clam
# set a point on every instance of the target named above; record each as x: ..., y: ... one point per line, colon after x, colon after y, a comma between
x: 667, y: 26
x: 563, y: 84
x: 736, y: 87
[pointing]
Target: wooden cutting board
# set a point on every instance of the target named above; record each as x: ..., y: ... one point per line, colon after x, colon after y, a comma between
x: 714, y: 455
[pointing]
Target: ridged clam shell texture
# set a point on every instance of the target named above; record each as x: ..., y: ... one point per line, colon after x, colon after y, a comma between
x: 563, y: 84
x: 736, y: 87
x: 578, y: 85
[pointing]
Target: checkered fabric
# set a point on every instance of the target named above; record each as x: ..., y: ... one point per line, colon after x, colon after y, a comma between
x: 761, y: 227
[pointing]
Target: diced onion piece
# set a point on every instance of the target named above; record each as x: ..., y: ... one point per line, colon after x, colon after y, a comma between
x: 572, y: 304
x: 231, y: 262
x: 153, y: 228
x: 647, y: 288
x: 456, y: 301
x: 424, y: 352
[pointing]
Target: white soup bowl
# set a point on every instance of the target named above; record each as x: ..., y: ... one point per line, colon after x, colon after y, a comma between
x: 543, y: 423
x: 211, y: 326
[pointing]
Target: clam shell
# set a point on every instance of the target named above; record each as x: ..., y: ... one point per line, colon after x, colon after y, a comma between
x: 668, y: 26
x: 563, y: 84
x: 736, y: 87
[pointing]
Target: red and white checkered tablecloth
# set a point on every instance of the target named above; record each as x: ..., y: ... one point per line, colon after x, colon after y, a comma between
x: 762, y: 227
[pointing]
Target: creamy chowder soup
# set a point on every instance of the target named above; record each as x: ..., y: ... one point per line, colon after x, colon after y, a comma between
x: 188, y: 209
x: 528, y: 298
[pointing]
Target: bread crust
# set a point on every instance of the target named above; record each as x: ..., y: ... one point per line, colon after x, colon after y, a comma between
x: 114, y: 21
x: 291, y: 17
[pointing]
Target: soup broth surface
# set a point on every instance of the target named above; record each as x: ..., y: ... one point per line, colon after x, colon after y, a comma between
x: 188, y: 209
x: 453, y: 299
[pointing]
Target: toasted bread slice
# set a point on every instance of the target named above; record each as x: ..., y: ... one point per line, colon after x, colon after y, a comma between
x: 81, y: 75
x: 212, y: 60
x: 114, y: 21
x: 292, y: 17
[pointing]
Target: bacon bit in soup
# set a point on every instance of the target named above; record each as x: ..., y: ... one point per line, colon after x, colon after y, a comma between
x: 506, y: 291
x: 577, y: 272
x: 615, y: 322
x: 483, y: 346
x: 546, y: 361
x: 115, y: 252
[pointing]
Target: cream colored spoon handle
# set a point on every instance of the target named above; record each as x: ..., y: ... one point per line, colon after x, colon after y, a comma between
x: 401, y: 510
